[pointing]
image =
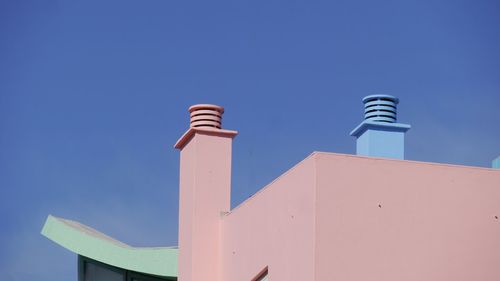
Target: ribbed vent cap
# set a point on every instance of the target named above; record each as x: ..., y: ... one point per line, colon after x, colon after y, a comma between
x: 206, y: 115
x: 381, y: 108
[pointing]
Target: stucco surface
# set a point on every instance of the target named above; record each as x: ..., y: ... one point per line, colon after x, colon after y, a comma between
x: 346, y: 217
x: 205, y: 193
x: 391, y: 220
x: 337, y: 217
x: 274, y: 228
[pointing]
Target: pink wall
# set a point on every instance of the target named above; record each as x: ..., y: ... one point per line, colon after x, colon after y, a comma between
x: 322, y: 221
x: 274, y: 228
x: 337, y: 217
x: 436, y: 222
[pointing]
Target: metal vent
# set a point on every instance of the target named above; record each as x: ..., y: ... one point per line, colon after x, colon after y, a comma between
x: 206, y: 115
x: 381, y: 108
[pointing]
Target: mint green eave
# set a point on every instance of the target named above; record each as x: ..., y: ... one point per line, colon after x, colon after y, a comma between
x: 93, y: 244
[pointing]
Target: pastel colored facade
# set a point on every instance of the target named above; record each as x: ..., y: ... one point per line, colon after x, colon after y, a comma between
x: 371, y: 216
x: 357, y: 218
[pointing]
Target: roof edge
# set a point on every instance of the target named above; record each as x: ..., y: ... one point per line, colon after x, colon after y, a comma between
x: 85, y: 241
x: 366, y: 125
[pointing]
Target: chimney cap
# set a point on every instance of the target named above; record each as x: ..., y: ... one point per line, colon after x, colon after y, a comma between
x: 205, y: 119
x: 381, y: 108
x: 206, y: 115
x: 381, y: 97
x: 208, y: 106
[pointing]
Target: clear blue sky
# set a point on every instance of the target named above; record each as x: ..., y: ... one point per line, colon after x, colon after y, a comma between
x: 93, y: 94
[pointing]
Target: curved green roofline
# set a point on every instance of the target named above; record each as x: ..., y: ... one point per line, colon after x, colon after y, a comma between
x: 88, y: 242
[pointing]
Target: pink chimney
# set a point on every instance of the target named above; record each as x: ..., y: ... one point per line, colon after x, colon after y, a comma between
x: 205, y: 192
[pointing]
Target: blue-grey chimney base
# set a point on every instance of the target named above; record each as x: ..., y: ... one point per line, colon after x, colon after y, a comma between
x: 381, y: 139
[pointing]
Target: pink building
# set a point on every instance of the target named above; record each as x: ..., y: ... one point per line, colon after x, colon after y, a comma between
x: 330, y: 217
